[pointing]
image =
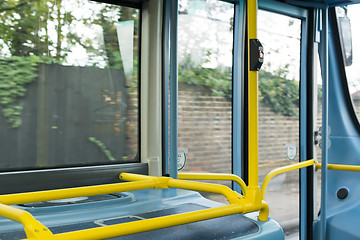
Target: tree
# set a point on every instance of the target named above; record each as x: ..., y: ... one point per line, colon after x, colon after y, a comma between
x: 19, y: 34
x: 47, y: 29
x: 275, y: 90
x: 278, y: 92
x: 34, y: 31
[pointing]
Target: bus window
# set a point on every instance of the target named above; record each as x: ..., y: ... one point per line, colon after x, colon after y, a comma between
x: 352, y: 70
x: 69, y: 84
x: 205, y: 46
x: 317, y: 126
x: 279, y: 113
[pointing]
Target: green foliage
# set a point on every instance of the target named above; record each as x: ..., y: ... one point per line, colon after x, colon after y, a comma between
x: 279, y: 93
x: 21, y: 37
x: 15, y: 74
x: 276, y: 92
x: 217, y: 81
x: 35, y: 31
x: 102, y: 146
x: 47, y: 29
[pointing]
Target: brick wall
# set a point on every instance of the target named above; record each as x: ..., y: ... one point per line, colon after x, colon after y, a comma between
x: 205, y: 130
x: 132, y: 123
x: 275, y: 131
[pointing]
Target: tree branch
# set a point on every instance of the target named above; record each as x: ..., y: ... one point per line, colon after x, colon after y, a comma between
x: 11, y: 8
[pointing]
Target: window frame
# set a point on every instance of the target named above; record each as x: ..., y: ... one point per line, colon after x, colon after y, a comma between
x: 170, y: 86
x: 27, y: 180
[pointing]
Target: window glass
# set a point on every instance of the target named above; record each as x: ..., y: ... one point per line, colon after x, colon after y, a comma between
x: 352, y: 64
x: 205, y: 37
x: 68, y: 83
x: 279, y: 82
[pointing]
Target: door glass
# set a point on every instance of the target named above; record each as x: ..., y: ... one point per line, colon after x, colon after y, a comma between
x: 318, y: 123
x: 279, y: 114
x: 205, y: 47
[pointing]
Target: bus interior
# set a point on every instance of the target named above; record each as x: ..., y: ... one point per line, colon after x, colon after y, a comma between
x: 179, y: 119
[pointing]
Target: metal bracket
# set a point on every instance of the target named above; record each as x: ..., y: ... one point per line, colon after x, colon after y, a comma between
x: 317, y: 137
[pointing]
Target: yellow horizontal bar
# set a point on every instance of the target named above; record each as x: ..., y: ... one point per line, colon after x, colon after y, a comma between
x: 130, y: 177
x: 163, y: 182
x: 35, y: 230
x: 284, y: 169
x: 238, y: 205
x: 214, y: 176
x: 340, y: 167
x: 151, y: 224
x: 232, y: 196
x: 21, y: 198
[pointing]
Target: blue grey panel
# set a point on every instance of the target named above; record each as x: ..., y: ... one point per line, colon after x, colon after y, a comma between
x: 49, y: 179
x: 228, y: 227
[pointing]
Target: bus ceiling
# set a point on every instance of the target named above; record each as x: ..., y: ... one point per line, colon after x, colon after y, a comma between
x: 305, y: 3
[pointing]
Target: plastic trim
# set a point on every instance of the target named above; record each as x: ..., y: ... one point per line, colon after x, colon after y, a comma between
x: 39, y: 180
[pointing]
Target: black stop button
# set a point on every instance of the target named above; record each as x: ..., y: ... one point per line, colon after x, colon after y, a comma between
x: 256, y: 55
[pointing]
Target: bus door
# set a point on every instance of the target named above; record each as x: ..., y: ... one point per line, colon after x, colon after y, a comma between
x: 282, y: 108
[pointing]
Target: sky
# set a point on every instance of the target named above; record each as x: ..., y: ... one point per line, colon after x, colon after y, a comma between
x: 205, y: 27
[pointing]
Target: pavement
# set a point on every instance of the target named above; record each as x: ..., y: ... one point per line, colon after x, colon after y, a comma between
x: 282, y: 195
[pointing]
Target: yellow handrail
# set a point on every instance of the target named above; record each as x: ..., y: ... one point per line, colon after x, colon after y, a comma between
x: 150, y: 224
x: 252, y: 203
x: 21, y: 198
x: 284, y: 169
x: 277, y: 171
x: 214, y: 176
x: 166, y: 182
x: 35, y: 230
x: 307, y: 163
x: 340, y: 167
x: 234, y: 198
x: 238, y: 203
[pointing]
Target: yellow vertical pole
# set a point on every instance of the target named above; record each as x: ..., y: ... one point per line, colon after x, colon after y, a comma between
x: 253, y: 99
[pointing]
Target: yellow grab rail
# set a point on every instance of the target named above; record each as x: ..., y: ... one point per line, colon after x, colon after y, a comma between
x: 151, y: 224
x: 307, y: 163
x: 238, y: 203
x: 21, y: 198
x: 166, y: 182
x: 35, y: 230
x: 284, y: 169
x: 340, y: 167
x: 214, y: 176
x: 234, y: 198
